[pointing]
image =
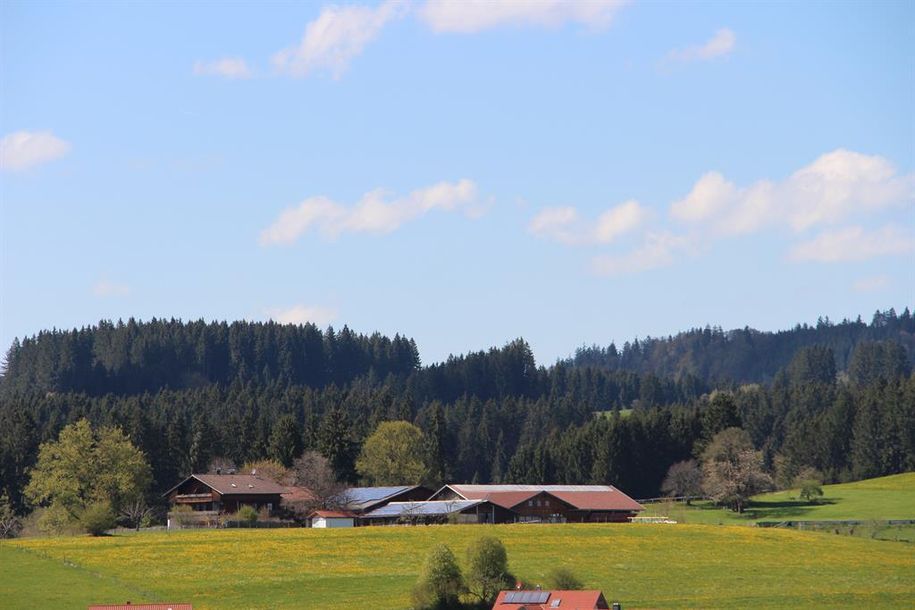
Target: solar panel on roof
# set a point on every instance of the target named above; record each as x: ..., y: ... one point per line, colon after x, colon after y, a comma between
x: 526, y: 597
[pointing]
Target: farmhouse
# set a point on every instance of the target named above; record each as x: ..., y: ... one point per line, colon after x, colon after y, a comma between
x: 226, y: 493
x: 550, y: 600
x: 547, y: 503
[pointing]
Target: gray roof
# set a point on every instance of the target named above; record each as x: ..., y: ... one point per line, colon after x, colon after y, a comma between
x: 358, y: 498
x: 436, y: 507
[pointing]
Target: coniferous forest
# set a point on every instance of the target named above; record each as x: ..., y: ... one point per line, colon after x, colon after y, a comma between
x: 838, y: 397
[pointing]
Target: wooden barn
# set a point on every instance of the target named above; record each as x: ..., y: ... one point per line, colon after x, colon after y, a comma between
x: 226, y: 493
x: 548, y: 503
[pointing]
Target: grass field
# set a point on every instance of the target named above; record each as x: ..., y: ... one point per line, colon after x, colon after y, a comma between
x: 643, y: 566
x: 890, y: 497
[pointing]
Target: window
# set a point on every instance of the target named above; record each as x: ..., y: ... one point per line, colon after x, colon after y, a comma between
x: 546, y: 502
x: 538, y: 503
x: 530, y: 502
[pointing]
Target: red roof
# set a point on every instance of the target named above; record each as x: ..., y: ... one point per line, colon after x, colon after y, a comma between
x: 129, y: 606
x: 563, y: 600
x: 332, y: 514
x: 298, y: 494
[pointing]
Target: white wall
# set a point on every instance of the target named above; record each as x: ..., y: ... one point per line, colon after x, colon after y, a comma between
x: 331, y: 522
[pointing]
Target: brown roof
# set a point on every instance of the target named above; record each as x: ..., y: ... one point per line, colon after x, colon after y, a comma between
x: 298, y: 494
x: 567, y: 600
x: 229, y: 484
x: 580, y: 497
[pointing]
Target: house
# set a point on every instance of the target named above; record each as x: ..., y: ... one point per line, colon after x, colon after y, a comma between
x: 548, y: 503
x: 551, y: 600
x: 332, y: 518
x: 129, y: 606
x: 226, y: 493
x: 361, y: 500
x: 441, y: 511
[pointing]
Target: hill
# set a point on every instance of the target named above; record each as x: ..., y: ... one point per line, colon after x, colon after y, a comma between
x: 642, y: 566
x: 882, y: 498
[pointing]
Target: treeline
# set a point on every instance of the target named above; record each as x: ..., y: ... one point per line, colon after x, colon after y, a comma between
x: 491, y: 416
x: 747, y: 355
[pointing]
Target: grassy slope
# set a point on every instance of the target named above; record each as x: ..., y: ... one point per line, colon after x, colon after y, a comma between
x: 890, y: 497
x: 644, y: 566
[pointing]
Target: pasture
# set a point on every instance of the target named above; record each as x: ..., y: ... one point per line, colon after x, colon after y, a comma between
x: 891, y: 497
x: 642, y: 566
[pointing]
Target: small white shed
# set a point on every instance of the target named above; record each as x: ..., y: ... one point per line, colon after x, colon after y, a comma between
x: 332, y: 518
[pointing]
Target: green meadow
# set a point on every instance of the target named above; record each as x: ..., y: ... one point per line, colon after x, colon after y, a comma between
x: 640, y: 565
x: 884, y: 498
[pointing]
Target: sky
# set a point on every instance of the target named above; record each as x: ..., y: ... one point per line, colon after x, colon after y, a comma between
x: 462, y: 173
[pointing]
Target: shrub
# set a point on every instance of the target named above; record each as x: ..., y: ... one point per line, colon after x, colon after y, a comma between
x: 246, y: 514
x: 488, y: 572
x: 10, y: 524
x: 563, y: 579
x: 98, y: 518
x: 440, y: 582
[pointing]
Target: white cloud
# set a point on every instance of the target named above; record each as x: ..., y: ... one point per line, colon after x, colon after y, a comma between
x: 227, y: 67
x: 836, y: 186
x: 721, y: 43
x: 468, y: 16
x: 302, y: 314
x: 25, y: 149
x: 854, y: 244
x: 371, y: 214
x: 871, y: 284
x: 658, y: 250
x: 105, y: 288
x: 564, y: 225
x: 336, y: 37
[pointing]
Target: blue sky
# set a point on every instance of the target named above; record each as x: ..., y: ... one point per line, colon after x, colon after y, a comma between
x: 463, y: 173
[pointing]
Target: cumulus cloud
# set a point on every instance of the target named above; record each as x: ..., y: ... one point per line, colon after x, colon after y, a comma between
x: 227, y: 67
x: 468, y: 16
x: 303, y: 314
x: 564, y: 225
x: 854, y: 244
x: 721, y: 43
x: 373, y: 213
x: 659, y: 249
x: 871, y: 284
x: 836, y: 186
x: 105, y: 288
x: 22, y: 150
x: 336, y: 37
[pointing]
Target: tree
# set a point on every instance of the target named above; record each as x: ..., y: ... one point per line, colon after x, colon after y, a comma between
x: 563, y: 579
x: 733, y: 470
x: 313, y: 472
x: 810, y: 482
x: 10, y: 524
x: 395, y: 454
x: 85, y: 467
x: 135, y: 512
x: 286, y: 440
x: 440, y: 582
x: 683, y: 479
x: 487, y: 571
x: 270, y: 470
x: 335, y: 442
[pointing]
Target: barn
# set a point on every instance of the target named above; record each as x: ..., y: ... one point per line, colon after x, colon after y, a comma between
x: 550, y: 600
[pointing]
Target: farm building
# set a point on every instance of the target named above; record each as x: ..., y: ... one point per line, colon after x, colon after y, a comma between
x: 226, y: 493
x: 362, y: 500
x: 442, y: 511
x: 550, y: 600
x: 332, y: 518
x: 548, y: 503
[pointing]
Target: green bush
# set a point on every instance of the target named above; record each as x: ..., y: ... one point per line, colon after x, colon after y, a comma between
x: 487, y: 571
x: 440, y: 583
x: 246, y: 514
x: 562, y: 579
x: 98, y: 518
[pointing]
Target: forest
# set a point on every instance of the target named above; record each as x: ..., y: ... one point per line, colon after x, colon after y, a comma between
x: 838, y: 397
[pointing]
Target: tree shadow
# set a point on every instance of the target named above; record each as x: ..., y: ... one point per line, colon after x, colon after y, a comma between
x: 786, y: 509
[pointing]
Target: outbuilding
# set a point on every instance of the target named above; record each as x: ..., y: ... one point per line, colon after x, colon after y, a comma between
x: 332, y: 518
